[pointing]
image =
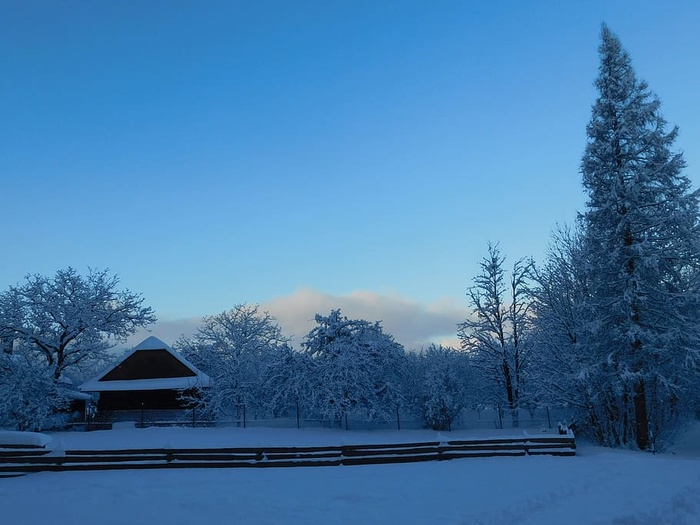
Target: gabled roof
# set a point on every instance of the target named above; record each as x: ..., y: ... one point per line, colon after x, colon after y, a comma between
x: 151, y: 365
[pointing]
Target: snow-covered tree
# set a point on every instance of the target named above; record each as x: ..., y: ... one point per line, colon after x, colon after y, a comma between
x: 29, y: 395
x: 355, y: 367
x: 641, y: 314
x: 559, y: 293
x: 235, y: 348
x: 70, y: 319
x: 443, y: 385
x: 497, y: 334
x: 287, y: 382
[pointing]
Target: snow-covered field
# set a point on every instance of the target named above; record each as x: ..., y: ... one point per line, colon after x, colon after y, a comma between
x: 598, y: 486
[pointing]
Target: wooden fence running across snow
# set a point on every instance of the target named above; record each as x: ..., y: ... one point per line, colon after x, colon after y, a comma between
x: 37, y: 459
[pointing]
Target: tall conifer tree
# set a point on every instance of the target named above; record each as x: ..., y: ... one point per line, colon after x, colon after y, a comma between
x: 641, y: 228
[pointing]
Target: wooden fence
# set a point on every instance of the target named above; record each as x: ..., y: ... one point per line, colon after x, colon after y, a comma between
x: 17, y: 461
x: 497, y: 418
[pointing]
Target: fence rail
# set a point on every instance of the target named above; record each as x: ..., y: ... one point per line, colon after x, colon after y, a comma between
x: 14, y: 461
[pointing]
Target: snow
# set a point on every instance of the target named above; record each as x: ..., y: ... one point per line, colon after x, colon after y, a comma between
x: 153, y: 343
x: 125, y: 436
x: 28, y: 439
x: 597, y: 486
x: 160, y: 383
x: 688, y: 443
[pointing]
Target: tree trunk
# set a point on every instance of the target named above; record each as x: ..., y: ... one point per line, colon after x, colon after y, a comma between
x: 640, y: 415
x: 510, y: 394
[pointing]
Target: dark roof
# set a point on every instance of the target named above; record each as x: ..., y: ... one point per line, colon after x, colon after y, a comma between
x: 148, y: 364
x: 151, y: 365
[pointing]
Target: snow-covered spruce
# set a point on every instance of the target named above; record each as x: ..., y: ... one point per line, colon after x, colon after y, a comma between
x: 620, y: 295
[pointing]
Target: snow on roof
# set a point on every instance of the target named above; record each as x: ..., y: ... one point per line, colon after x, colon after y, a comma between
x: 200, y: 379
x: 164, y: 383
x: 153, y: 343
x: 75, y: 394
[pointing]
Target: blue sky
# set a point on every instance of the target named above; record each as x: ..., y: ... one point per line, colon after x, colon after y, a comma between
x: 310, y: 155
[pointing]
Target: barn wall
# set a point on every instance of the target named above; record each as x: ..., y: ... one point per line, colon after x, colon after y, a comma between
x: 137, y: 399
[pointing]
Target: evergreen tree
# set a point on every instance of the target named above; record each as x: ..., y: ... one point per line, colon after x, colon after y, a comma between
x: 641, y: 237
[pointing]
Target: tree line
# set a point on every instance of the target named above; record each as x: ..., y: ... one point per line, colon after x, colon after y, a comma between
x: 607, y: 325
x: 345, y: 367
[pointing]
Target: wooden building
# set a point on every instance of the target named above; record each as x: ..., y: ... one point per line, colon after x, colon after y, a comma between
x: 152, y: 376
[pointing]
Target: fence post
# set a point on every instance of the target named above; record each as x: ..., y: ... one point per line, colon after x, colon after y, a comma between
x: 398, y: 418
x: 346, y: 420
x: 500, y: 417
x: 549, y: 418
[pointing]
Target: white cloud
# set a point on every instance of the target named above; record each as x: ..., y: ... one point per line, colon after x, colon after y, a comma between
x: 412, y: 324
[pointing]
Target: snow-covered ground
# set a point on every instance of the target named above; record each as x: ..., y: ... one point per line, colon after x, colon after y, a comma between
x: 597, y: 486
x: 24, y: 439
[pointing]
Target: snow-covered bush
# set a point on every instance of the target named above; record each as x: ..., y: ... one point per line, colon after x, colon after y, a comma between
x: 286, y: 383
x: 29, y: 395
x: 442, y: 385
